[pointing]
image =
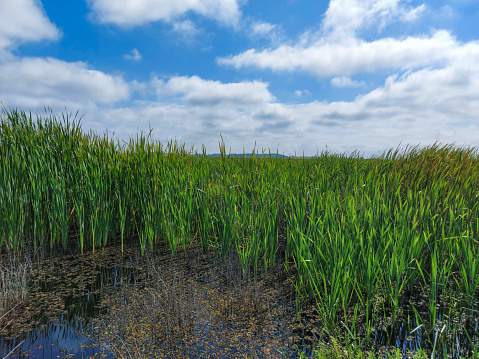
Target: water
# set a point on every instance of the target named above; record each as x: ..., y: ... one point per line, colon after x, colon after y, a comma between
x: 80, y: 306
x: 193, y: 305
x: 65, y: 296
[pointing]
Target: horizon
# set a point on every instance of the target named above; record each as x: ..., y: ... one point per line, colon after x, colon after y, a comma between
x: 291, y: 77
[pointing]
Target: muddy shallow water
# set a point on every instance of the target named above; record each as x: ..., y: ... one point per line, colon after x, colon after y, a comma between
x: 112, y: 303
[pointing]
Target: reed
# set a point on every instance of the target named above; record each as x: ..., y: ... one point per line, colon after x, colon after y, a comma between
x: 363, y: 237
x: 15, y: 273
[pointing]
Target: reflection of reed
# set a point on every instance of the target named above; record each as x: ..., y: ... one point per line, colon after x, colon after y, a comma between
x: 65, y: 295
x: 7, y: 324
x: 8, y: 312
x: 13, y: 350
x: 193, y: 306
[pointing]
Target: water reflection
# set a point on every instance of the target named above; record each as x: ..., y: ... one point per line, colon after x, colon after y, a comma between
x: 66, y: 294
x: 200, y: 307
x: 190, y: 306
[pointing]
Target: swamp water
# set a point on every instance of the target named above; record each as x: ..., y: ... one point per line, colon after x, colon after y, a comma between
x: 110, y: 304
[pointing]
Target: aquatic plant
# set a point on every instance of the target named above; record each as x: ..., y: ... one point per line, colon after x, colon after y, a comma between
x: 14, y: 277
x: 367, y: 240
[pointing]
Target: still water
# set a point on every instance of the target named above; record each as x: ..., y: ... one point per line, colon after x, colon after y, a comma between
x: 124, y: 304
x: 111, y: 304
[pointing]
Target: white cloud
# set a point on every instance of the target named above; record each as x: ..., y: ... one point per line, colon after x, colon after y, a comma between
x: 337, y: 49
x: 414, y: 14
x: 23, y: 21
x: 197, y: 91
x: 325, y: 59
x: 203, y: 124
x: 185, y: 28
x: 134, y: 55
x: 259, y: 31
x: 418, y: 107
x: 34, y: 83
x: 197, y: 111
x: 138, y: 12
x: 434, y: 95
x: 344, y: 18
x: 446, y: 12
x: 344, y: 81
x: 39, y: 82
x: 261, y: 28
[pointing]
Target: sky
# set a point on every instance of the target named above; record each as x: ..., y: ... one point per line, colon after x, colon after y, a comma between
x: 288, y: 76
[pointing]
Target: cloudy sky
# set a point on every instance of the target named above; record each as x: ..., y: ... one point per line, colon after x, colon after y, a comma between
x: 288, y: 75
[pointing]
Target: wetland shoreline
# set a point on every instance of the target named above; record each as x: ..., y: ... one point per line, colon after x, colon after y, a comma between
x: 379, y: 253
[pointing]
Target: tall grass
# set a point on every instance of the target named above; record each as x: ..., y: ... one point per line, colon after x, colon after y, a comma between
x: 360, y: 235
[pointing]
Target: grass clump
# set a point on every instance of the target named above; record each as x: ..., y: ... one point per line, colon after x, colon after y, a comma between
x: 337, y: 351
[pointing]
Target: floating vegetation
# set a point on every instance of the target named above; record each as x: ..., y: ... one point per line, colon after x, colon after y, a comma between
x: 197, y: 307
x: 111, y: 303
x: 377, y: 246
x: 65, y: 293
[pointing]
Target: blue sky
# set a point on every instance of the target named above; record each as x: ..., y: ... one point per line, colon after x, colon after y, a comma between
x: 288, y: 75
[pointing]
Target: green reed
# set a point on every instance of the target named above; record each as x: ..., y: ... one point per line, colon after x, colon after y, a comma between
x: 362, y: 237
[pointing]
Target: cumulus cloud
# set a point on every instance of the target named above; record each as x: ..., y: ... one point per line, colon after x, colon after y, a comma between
x: 325, y: 59
x: 34, y: 82
x: 23, y: 21
x: 197, y: 91
x: 344, y: 18
x: 134, y: 55
x: 338, y: 50
x: 139, y: 12
x: 433, y: 96
x: 39, y: 82
x: 197, y: 111
x: 417, y: 107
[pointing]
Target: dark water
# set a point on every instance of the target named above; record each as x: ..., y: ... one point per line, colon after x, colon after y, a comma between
x: 451, y: 338
x: 192, y: 305
x: 65, y: 295
x: 80, y: 307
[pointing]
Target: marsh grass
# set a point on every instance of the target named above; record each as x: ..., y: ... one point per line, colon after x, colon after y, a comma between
x: 362, y: 238
x: 337, y: 351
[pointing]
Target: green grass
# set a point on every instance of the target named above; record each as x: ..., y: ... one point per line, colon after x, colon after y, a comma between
x: 363, y: 238
x: 336, y: 351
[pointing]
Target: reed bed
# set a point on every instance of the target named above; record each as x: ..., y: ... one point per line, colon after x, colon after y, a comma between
x: 363, y: 238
